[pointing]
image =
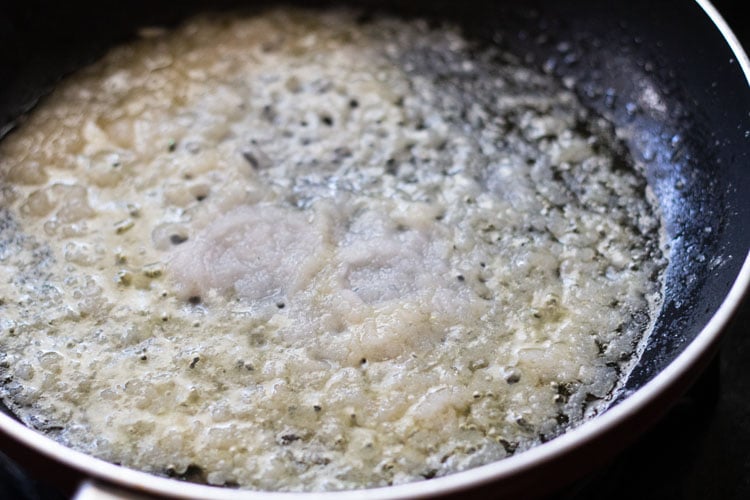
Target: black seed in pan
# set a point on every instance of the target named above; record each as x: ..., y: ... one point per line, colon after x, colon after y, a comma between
x: 177, y: 239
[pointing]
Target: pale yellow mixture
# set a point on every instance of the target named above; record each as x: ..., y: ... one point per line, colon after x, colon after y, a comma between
x: 293, y: 251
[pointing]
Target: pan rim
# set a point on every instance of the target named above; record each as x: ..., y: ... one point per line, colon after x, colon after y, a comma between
x: 696, y: 353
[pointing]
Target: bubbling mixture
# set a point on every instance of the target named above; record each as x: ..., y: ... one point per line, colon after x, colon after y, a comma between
x: 296, y: 250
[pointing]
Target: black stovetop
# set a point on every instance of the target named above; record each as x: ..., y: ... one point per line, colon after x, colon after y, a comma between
x: 700, y: 450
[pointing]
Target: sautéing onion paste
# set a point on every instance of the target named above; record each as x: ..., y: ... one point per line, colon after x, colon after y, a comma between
x: 299, y: 250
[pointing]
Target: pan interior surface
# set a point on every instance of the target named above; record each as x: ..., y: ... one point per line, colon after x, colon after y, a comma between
x: 685, y: 118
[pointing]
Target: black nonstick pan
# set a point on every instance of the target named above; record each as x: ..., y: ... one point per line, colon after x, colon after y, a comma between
x: 669, y: 74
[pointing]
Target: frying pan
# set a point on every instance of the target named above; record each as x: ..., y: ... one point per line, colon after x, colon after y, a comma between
x: 669, y: 74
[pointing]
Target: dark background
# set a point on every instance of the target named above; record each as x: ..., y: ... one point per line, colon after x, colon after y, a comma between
x: 701, y: 450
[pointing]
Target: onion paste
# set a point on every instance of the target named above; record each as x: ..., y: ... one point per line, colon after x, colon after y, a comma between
x: 299, y: 250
